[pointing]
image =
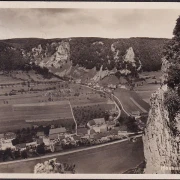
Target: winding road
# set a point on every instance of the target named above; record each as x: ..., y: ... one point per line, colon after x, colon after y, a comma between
x: 112, y: 157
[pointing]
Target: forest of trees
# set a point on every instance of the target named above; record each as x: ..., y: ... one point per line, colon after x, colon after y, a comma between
x: 89, y: 53
x: 172, y: 55
x: 85, y: 52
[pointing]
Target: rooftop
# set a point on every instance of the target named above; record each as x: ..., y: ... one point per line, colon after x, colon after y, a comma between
x: 99, y: 120
x: 53, y: 136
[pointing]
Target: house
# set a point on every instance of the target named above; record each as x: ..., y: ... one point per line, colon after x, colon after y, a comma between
x: 46, y: 141
x: 40, y: 134
x: 91, y: 123
x: 100, y: 129
x: 5, y: 145
x: 103, y: 128
x: 99, y: 121
x: 91, y: 131
x: 55, y: 133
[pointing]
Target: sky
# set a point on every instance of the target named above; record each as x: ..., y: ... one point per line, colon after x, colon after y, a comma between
x: 108, y: 23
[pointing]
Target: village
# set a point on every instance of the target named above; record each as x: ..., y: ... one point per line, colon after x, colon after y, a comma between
x: 42, y: 139
x: 57, y: 139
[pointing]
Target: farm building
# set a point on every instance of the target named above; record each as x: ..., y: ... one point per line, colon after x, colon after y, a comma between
x: 5, y: 145
x: 99, y: 121
x: 55, y: 133
x: 96, y: 122
x: 46, y: 141
x: 91, y: 123
x: 100, y: 129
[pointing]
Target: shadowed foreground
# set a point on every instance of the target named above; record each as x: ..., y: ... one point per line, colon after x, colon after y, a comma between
x: 116, y: 158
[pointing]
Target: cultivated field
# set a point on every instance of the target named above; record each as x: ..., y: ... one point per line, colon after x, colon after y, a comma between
x: 131, y: 101
x: 34, y: 100
x: 150, y: 85
x: 36, y: 113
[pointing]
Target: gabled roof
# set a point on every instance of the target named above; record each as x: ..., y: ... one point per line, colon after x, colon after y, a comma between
x: 57, y: 130
x: 99, y: 121
x: 53, y: 136
x: 91, y: 131
x: 91, y: 122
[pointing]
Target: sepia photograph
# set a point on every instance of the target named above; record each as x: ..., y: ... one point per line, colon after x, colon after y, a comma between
x: 89, y: 90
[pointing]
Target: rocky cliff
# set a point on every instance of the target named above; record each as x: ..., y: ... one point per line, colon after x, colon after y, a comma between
x: 161, y: 138
x: 88, y: 53
x: 57, y: 58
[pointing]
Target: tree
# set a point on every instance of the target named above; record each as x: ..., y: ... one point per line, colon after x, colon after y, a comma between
x: 24, y: 154
x: 172, y: 55
x: 41, y: 149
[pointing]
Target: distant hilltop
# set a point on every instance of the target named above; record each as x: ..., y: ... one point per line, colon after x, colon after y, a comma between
x: 72, y: 57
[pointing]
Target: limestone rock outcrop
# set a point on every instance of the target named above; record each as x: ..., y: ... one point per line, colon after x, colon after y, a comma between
x: 161, y: 146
